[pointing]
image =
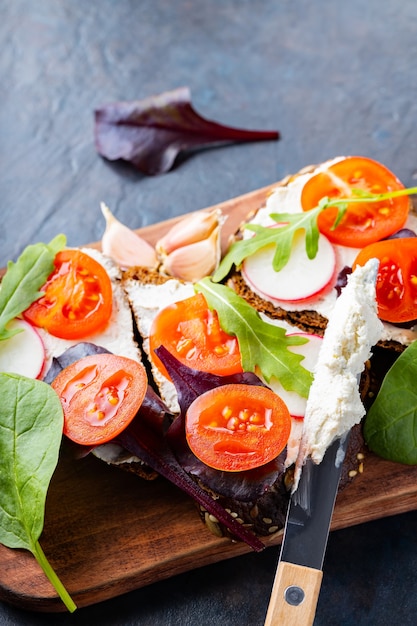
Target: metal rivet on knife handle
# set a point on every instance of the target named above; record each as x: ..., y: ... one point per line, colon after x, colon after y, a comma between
x: 294, y: 595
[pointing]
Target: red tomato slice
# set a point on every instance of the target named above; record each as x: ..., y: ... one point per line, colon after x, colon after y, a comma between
x: 100, y: 395
x: 237, y: 427
x: 77, y: 300
x: 396, y: 285
x: 363, y: 223
x: 192, y: 333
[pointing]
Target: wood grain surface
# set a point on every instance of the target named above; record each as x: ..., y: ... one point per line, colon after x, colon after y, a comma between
x: 108, y: 532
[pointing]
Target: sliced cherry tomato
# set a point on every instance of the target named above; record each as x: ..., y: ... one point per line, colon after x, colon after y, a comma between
x: 396, y: 285
x: 100, y: 395
x: 237, y: 427
x: 363, y: 223
x: 191, y: 332
x: 77, y: 300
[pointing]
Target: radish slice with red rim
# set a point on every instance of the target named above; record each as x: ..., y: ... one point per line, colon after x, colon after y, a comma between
x: 301, y: 278
x: 310, y: 350
x: 24, y: 353
x: 295, y: 403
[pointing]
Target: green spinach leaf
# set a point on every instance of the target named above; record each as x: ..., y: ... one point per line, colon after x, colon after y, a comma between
x: 261, y: 344
x: 31, y: 420
x: 23, y: 279
x: 390, y: 427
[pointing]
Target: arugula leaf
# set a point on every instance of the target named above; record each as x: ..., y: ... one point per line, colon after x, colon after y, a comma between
x: 290, y: 223
x: 390, y: 427
x: 23, y: 279
x: 31, y: 421
x: 261, y: 344
x: 281, y: 237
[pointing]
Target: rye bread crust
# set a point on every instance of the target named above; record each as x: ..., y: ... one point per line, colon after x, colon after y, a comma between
x: 266, y: 515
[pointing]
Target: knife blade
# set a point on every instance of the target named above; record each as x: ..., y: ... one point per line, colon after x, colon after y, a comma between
x: 299, y: 574
x: 333, y: 406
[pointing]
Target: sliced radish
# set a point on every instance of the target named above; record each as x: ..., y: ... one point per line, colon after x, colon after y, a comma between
x: 301, y: 278
x: 24, y: 353
x: 295, y: 403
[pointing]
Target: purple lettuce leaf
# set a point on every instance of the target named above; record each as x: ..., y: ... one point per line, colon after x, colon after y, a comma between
x: 403, y: 233
x: 247, y: 486
x: 145, y: 438
x: 142, y: 440
x: 69, y: 356
x: 150, y: 133
x: 190, y: 383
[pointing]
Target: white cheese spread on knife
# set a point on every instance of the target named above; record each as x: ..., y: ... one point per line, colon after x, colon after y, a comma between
x: 334, y: 405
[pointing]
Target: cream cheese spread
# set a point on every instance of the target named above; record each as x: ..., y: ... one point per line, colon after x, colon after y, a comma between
x: 334, y: 404
x: 146, y: 301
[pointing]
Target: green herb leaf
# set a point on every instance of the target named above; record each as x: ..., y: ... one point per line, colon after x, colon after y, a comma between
x: 261, y: 344
x: 390, y: 427
x: 31, y: 420
x: 282, y: 237
x: 23, y: 279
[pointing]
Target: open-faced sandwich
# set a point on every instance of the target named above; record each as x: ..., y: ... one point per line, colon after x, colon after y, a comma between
x: 174, y: 361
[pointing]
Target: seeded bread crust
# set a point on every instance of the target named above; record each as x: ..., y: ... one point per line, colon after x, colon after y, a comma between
x: 307, y: 321
x: 145, y: 275
x: 266, y: 515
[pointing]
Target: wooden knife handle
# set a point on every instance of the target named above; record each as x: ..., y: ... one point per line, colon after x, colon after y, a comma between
x: 294, y: 595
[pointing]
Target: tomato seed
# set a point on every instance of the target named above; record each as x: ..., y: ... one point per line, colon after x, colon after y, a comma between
x: 227, y: 412
x: 256, y: 418
x: 183, y: 345
x: 384, y: 210
x: 233, y: 423
x: 191, y: 353
x: 244, y: 415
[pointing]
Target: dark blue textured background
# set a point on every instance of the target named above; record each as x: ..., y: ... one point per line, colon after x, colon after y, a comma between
x: 334, y: 77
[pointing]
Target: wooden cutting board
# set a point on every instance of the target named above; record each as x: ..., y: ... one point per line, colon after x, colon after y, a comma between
x: 108, y: 532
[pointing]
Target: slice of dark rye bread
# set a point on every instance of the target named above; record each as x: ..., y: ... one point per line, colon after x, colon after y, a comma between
x: 265, y: 515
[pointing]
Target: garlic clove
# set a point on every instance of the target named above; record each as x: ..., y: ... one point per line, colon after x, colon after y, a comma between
x: 123, y: 245
x: 194, y: 261
x: 190, y: 229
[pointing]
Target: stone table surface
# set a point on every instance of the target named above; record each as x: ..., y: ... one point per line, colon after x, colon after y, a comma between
x: 333, y: 77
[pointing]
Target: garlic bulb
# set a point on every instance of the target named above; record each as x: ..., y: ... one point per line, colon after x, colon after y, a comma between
x: 192, y: 228
x: 193, y: 262
x: 123, y: 245
x: 190, y: 250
